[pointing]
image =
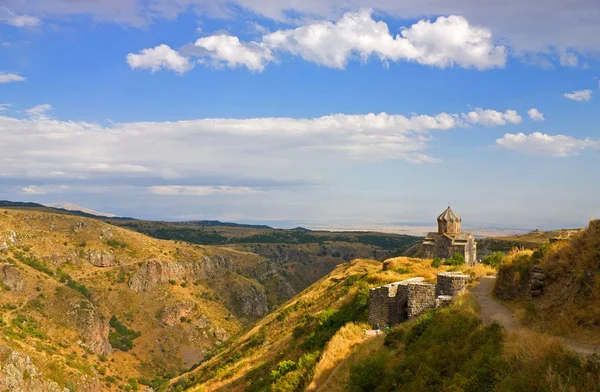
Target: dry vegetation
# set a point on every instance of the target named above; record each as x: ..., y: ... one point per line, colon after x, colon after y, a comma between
x: 54, y: 255
x: 323, y: 321
x: 570, y: 305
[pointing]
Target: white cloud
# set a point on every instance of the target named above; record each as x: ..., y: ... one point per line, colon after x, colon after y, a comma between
x: 4, y: 106
x: 447, y: 42
x: 182, y: 152
x: 39, y: 110
x: 580, y: 95
x: 535, y: 114
x: 491, y: 118
x: 532, y: 26
x: 161, y: 56
x: 546, y: 145
x: 226, y: 50
x: 9, y: 17
x: 568, y: 59
x: 179, y: 190
x: 10, y: 77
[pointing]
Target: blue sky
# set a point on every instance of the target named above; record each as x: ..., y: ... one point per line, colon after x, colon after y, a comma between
x: 326, y: 114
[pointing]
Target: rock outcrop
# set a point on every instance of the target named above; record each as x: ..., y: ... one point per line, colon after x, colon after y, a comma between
x: 11, y: 277
x: 536, y: 283
x: 251, y: 301
x: 19, y: 374
x: 172, y: 314
x: 92, y: 325
x: 153, y: 273
x: 102, y: 259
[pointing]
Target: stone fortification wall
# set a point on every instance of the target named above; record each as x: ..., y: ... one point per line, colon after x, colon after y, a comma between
x: 385, y: 302
x: 451, y: 283
x: 421, y: 296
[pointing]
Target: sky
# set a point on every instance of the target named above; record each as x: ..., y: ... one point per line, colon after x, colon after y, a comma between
x: 329, y: 113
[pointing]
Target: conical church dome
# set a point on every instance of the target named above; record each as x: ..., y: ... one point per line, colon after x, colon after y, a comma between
x: 449, y: 222
x: 449, y: 216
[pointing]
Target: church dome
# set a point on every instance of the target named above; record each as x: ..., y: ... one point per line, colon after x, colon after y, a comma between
x: 449, y: 222
x: 449, y: 216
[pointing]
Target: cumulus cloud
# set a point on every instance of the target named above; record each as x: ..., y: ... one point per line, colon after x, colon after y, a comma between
x: 490, y: 118
x: 535, y: 114
x: 546, y: 145
x: 229, y: 51
x: 39, y: 110
x: 159, y: 57
x: 579, y: 96
x: 180, y: 152
x: 10, y: 77
x: 9, y: 17
x: 528, y: 26
x: 446, y: 42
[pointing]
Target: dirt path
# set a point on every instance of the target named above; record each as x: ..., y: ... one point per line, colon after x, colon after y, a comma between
x: 491, y: 311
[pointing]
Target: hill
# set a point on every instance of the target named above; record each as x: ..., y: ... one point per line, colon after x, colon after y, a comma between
x: 564, y: 280
x: 283, y: 351
x: 302, y: 256
x: 95, y: 305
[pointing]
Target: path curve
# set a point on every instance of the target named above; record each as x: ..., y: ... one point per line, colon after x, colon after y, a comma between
x: 491, y: 310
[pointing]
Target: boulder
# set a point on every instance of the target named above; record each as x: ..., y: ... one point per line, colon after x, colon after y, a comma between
x: 536, y: 284
x: 538, y: 276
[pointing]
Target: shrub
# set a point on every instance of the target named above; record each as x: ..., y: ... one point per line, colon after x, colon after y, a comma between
x: 457, y: 259
x: 79, y: 287
x: 122, y: 337
x: 436, y: 263
x: 494, y: 260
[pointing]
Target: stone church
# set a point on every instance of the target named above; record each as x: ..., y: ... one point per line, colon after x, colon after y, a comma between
x: 450, y: 240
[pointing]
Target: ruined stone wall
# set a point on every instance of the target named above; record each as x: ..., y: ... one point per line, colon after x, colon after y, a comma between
x: 451, y: 283
x: 380, y: 299
x: 387, y: 303
x: 421, y: 296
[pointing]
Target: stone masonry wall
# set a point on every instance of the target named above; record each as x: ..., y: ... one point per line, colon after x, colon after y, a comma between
x: 421, y: 296
x: 451, y: 283
x: 385, y: 301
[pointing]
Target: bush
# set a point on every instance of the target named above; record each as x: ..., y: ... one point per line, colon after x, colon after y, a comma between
x: 457, y: 260
x: 494, y: 260
x: 436, y: 263
x: 370, y: 375
x: 122, y: 337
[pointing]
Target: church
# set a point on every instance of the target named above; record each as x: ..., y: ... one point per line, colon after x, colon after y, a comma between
x: 450, y: 240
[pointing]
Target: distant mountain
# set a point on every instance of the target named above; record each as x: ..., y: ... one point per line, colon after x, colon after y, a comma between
x: 74, y: 207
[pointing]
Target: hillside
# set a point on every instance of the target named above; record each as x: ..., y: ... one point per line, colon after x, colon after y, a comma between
x: 565, y: 284
x: 301, y: 256
x: 95, y: 305
x: 292, y: 339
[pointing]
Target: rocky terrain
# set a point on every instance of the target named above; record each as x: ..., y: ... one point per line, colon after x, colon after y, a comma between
x: 91, y: 306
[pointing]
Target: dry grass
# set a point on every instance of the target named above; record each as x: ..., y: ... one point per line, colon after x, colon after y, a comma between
x: 65, y: 241
x: 338, y: 348
x: 367, y: 349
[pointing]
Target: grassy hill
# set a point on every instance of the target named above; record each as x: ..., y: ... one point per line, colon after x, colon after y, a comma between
x: 570, y: 301
x: 285, y: 350
x: 95, y: 305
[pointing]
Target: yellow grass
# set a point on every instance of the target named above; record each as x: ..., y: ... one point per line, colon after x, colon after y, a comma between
x: 338, y: 348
